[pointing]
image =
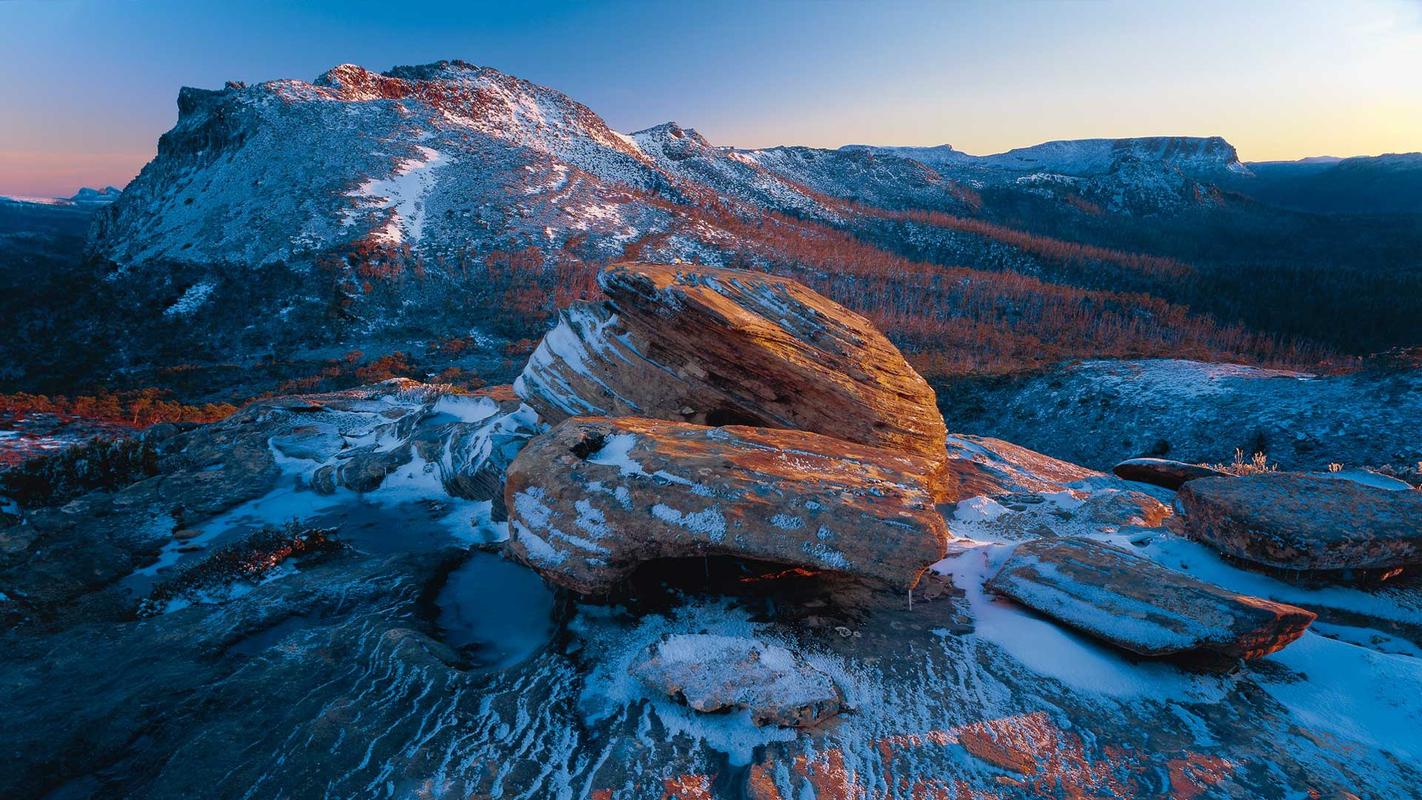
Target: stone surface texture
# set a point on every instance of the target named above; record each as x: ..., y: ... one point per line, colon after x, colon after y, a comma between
x: 718, y: 346
x: 595, y: 497
x: 1305, y: 522
x: 1136, y: 604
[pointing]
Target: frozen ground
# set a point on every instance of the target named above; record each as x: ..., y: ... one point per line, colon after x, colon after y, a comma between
x: 418, y: 668
x: 1099, y: 413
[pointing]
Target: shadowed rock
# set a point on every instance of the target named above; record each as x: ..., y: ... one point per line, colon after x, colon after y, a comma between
x: 594, y: 498
x: 1163, y: 471
x: 715, y: 673
x: 1304, y: 522
x: 1136, y: 604
x: 717, y: 346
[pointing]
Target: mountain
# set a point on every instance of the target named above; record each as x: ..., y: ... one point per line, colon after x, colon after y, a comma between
x: 938, y: 156
x: 1386, y: 184
x: 1141, y: 175
x: 444, y: 213
x: 88, y: 196
x: 84, y: 197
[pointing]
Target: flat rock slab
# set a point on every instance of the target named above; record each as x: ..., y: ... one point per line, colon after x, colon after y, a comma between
x: 713, y: 673
x: 1163, y: 472
x: 593, y: 498
x: 1293, y: 521
x: 1132, y: 602
x: 717, y: 346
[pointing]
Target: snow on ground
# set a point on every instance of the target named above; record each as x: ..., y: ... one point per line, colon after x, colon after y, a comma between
x: 610, y: 689
x: 1168, y: 377
x: 1057, y: 652
x: 191, y: 301
x: 1354, y: 692
x: 402, y: 194
x: 1368, y: 478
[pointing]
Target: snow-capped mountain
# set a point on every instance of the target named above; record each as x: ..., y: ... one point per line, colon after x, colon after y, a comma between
x: 451, y: 200
x: 84, y: 197
x: 449, y: 158
x: 90, y: 196
x: 1134, y: 175
x: 380, y: 198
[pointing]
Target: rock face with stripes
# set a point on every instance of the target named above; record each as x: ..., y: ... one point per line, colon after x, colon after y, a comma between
x: 1138, y: 605
x: 718, y: 346
x: 594, y: 498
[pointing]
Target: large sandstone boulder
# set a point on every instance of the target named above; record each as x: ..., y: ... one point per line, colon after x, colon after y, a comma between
x: 713, y: 673
x: 717, y: 346
x: 1136, y: 604
x: 595, y: 497
x: 1163, y: 471
x: 1293, y: 521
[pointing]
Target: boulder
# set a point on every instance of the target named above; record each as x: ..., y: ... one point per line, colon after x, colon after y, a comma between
x: 1163, y: 471
x: 713, y: 673
x: 593, y: 498
x: 1132, y: 602
x: 1293, y: 521
x: 718, y: 346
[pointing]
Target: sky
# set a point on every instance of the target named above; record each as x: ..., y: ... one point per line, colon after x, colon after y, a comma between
x: 87, y: 86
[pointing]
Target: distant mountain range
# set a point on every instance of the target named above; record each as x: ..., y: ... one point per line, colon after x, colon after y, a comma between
x: 1386, y: 184
x: 84, y: 197
x: 450, y: 200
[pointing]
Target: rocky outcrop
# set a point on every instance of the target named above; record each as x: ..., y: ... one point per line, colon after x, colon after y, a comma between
x: 715, y: 346
x: 594, y: 498
x: 1291, y: 521
x: 713, y: 673
x: 1136, y: 604
x: 1163, y: 471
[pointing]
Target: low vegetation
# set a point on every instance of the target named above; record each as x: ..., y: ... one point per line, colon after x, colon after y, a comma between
x: 249, y: 561
x: 97, y: 464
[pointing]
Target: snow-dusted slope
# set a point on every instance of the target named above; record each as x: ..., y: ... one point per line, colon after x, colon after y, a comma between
x: 432, y: 157
x: 1088, y: 157
x: 452, y: 159
x: 943, y: 155
x: 1134, y: 175
x: 1200, y: 412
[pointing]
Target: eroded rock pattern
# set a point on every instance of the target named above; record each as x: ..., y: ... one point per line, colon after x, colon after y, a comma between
x: 594, y: 498
x: 1134, y: 603
x: 1291, y: 521
x: 717, y: 346
x: 712, y: 673
x: 340, y: 653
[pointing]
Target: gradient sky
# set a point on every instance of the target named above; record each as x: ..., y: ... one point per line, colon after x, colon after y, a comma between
x: 86, y: 86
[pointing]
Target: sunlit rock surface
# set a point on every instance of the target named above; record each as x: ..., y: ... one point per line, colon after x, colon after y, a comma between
x: 1306, y: 522
x: 714, y: 346
x: 1134, y: 603
x: 595, y: 498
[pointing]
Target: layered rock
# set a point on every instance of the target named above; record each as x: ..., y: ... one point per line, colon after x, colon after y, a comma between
x: 713, y: 673
x: 594, y: 498
x: 1304, y: 522
x: 716, y: 346
x: 1163, y: 471
x: 1136, y: 604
